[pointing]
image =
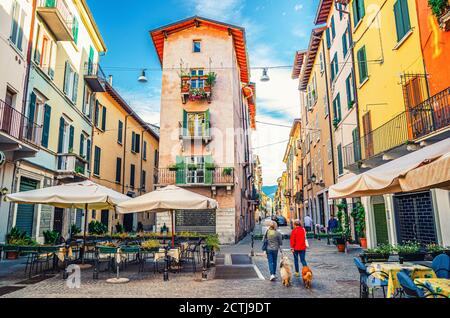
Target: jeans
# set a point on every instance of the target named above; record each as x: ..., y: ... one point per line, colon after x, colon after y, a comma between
x: 272, y: 258
x: 302, y: 255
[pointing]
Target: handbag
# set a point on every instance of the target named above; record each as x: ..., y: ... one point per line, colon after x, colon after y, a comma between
x: 265, y: 242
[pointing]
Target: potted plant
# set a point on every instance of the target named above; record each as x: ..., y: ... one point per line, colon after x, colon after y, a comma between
x: 210, y: 166
x: 192, y: 167
x: 212, y: 244
x: 343, y: 228
x: 441, y: 9
x: 176, y: 167
x: 359, y: 217
x: 378, y: 254
x: 185, y: 76
x: 227, y: 171
x: 97, y: 228
x: 50, y: 237
x: 435, y: 249
x: 410, y: 251
x: 151, y: 245
x: 74, y: 230
x: 210, y: 81
x: 120, y: 228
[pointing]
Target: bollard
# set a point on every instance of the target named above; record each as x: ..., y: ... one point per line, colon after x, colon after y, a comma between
x: 252, y: 253
x: 204, y: 274
x: 166, y: 265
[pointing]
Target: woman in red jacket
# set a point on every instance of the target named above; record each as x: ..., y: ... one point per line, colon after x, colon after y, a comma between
x: 298, y: 245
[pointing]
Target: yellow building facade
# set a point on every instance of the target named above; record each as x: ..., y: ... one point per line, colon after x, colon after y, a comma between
x: 124, y: 156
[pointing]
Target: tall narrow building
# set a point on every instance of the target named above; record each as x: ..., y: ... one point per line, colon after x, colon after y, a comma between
x: 207, y: 112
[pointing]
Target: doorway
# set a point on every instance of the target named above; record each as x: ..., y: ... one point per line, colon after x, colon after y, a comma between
x: 25, y: 212
x: 58, y: 220
x: 379, y: 214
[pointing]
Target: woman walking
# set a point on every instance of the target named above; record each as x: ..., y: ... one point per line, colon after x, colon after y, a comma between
x: 274, y: 242
x: 298, y: 245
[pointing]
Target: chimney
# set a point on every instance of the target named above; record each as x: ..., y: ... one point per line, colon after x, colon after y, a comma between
x: 110, y: 80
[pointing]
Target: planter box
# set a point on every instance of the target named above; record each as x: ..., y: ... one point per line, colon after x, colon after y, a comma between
x: 413, y: 257
x: 373, y: 257
x: 12, y: 255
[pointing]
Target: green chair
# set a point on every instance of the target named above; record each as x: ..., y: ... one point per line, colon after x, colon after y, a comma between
x: 104, y: 255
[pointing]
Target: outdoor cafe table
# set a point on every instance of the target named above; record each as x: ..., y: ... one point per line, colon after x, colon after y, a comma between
x: 173, y: 253
x: 437, y: 285
x: 414, y: 270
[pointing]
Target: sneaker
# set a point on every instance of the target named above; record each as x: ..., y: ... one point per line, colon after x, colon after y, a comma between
x: 272, y: 277
x: 297, y: 274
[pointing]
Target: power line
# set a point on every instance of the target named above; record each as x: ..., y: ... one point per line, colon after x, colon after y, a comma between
x: 272, y: 124
x: 269, y: 145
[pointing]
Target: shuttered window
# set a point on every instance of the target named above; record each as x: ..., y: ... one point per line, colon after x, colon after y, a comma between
x: 333, y: 28
x: 17, y: 25
x: 362, y: 64
x: 340, y: 163
x: 144, y: 177
x: 71, y: 136
x: 97, y: 113
x: 118, y: 170
x: 97, y: 155
x: 144, y: 151
x: 82, y: 145
x: 358, y: 11
x: 46, y: 125
x: 345, y: 43
x: 132, y: 175
x: 104, y: 118
x: 334, y: 67
x: 327, y: 32
x: 88, y: 153
x: 70, y: 86
x: 120, y: 132
x: 337, y: 108
x: 349, y: 89
x: 402, y: 21
x: 75, y: 30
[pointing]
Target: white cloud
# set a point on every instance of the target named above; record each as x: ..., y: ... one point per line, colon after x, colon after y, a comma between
x: 223, y: 9
x: 298, y: 7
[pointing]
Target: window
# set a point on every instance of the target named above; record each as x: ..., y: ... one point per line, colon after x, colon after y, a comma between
x: 156, y: 158
x: 325, y: 105
x: 340, y: 163
x: 46, y: 125
x: 402, y: 21
x: 358, y: 11
x: 337, y: 108
x: 97, y: 155
x: 88, y: 102
x: 135, y: 142
x: 144, y: 151
x: 97, y: 113
x: 120, y: 132
x: 362, y: 65
x: 333, y: 28
x: 197, y: 46
x: 349, y: 88
x: 329, y: 152
x: 83, y: 138
x: 10, y: 98
x: 196, y: 82
x: 322, y: 64
x: 345, y: 43
x: 132, y: 175
x: 18, y: 21
x: 144, y: 176
x: 327, y: 33
x: 103, y: 118
x: 196, y: 124
x: 118, y: 170
x: 356, y: 147
x: 45, y: 52
x: 88, y: 153
x: 70, y: 82
x: 75, y: 30
x: 334, y: 67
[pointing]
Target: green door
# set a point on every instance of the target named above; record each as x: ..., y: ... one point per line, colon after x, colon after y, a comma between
x: 379, y: 212
x: 25, y: 212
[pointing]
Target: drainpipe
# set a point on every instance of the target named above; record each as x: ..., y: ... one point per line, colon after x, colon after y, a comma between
x: 124, y: 152
x: 142, y: 161
x: 30, y: 48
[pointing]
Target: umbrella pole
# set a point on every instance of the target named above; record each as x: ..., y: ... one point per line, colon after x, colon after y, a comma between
x: 85, y: 232
x: 173, y: 232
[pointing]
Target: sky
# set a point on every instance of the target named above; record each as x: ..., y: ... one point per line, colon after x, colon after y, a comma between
x: 275, y: 30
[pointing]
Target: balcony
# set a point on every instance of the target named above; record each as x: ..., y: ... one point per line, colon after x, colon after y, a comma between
x: 196, y: 132
x: 58, y: 18
x: 95, y: 77
x: 72, y: 166
x: 187, y: 176
x: 201, y: 91
x: 18, y: 133
x: 430, y: 116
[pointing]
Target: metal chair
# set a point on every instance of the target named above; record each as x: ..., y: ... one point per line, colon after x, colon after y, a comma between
x: 43, y: 258
x: 131, y: 254
x: 411, y: 290
x: 441, y: 266
x: 147, y: 256
x: 369, y: 283
x: 31, y: 253
x: 104, y: 255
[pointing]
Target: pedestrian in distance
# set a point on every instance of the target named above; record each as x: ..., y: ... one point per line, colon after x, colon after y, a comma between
x: 308, y: 223
x: 332, y: 224
x: 299, y: 244
x: 273, y: 240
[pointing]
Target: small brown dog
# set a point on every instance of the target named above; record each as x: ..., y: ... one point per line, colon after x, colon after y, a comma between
x: 286, y: 271
x: 307, y: 277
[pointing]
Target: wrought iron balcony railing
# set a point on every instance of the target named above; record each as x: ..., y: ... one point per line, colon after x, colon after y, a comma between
x: 17, y: 125
x: 194, y: 176
x: 73, y: 165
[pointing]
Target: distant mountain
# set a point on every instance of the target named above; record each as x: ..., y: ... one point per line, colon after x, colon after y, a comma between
x: 270, y: 190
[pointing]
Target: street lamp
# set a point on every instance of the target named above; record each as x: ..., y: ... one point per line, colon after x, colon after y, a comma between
x: 143, y: 78
x: 265, y: 77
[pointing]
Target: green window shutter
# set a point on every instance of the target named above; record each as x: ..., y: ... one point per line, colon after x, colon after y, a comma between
x: 20, y: 35
x: 340, y: 164
x: 15, y: 22
x: 355, y: 12
x: 181, y: 171
x: 31, y: 112
x: 398, y: 20
x: 120, y: 132
x: 75, y: 30
x: 333, y: 29
x: 50, y: 3
x: 362, y: 64
x: 327, y: 32
x: 104, y: 119
x: 66, y: 78
x: 133, y: 141
x: 208, y: 173
x: 96, y: 115
x: 338, y: 103
x: 88, y: 153
x: 118, y: 170
x: 97, y: 156
x: 344, y: 44
x: 132, y: 175
x: 143, y: 178
x: 405, y: 15
x: 207, y: 123
x: 75, y: 88
x: 349, y: 92
x: 61, y: 135
x: 356, y: 149
x: 144, y: 151
x: 91, y: 60
x: 185, y: 123
x: 46, y: 128
x: 138, y: 143
x: 71, y: 133
x: 82, y: 145
x: 362, y: 11
x: 83, y: 105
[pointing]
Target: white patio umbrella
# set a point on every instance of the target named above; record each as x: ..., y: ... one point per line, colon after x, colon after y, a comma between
x: 166, y: 199
x: 84, y: 195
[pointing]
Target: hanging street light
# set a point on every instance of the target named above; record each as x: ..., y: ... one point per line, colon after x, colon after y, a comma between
x: 265, y: 77
x: 143, y: 78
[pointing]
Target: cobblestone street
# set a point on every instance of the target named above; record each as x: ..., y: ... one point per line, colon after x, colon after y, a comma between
x: 334, y: 276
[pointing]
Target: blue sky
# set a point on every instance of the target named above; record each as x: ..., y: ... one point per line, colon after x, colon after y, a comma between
x: 275, y: 29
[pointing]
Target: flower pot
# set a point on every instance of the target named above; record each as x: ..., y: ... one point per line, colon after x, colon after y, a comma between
x: 341, y: 248
x: 419, y: 256
x: 12, y: 255
x: 363, y: 242
x: 374, y: 257
x: 207, y: 89
x: 185, y: 78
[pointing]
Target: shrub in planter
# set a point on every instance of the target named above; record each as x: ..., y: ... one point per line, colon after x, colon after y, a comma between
x: 212, y: 242
x: 151, y: 245
x: 438, y: 7
x: 359, y: 217
x: 227, y: 171
x: 50, y: 237
x: 120, y: 228
x: 410, y: 251
x: 97, y: 228
x: 378, y: 254
x: 192, y: 167
x: 210, y: 166
x: 74, y: 230
x: 435, y: 249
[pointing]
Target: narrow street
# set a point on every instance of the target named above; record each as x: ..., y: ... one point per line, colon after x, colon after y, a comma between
x: 334, y: 276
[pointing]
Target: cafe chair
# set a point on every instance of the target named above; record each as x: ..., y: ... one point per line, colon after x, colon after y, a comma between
x: 441, y: 266
x: 369, y: 283
x: 411, y: 290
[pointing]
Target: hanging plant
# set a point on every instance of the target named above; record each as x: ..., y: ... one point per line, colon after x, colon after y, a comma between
x: 438, y: 7
x: 359, y: 217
